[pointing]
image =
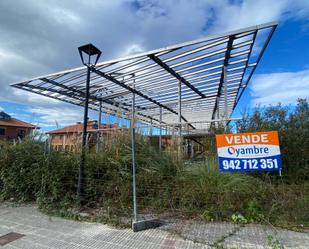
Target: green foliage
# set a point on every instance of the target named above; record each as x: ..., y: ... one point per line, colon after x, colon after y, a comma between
x: 57, y: 180
x: 208, y: 215
x: 292, y: 123
x: 29, y: 173
x: 198, y: 189
x: 20, y: 167
x: 239, y: 219
x: 255, y: 211
x: 274, y: 243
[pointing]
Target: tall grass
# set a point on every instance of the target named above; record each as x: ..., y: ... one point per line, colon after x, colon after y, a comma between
x: 28, y: 173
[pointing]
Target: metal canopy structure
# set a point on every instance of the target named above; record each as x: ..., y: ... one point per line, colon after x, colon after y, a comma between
x: 189, y: 82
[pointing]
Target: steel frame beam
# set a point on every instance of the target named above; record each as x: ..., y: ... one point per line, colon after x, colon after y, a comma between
x: 175, y: 74
x: 225, y: 64
x: 134, y: 91
x: 80, y: 95
x: 256, y: 63
x: 199, y: 65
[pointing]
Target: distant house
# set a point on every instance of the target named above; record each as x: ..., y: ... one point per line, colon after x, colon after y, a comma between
x: 69, y: 138
x: 12, y: 128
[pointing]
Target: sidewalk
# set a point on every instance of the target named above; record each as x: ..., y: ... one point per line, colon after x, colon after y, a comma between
x: 42, y: 231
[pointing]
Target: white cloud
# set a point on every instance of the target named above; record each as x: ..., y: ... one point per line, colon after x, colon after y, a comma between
x: 62, y: 115
x: 247, y: 13
x: 9, y: 58
x: 40, y: 37
x: 132, y: 49
x: 32, y: 99
x: 284, y: 87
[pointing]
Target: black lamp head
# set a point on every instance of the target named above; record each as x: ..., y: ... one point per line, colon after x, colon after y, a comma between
x: 90, y: 50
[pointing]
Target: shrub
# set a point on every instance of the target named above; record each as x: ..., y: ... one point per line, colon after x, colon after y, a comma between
x: 292, y: 124
x: 20, y: 167
x: 28, y: 173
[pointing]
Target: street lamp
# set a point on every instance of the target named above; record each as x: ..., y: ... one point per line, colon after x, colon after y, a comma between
x: 89, y: 50
x: 92, y: 55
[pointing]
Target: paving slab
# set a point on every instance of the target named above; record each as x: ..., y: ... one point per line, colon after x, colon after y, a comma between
x: 42, y: 231
x: 208, y: 232
x: 261, y: 236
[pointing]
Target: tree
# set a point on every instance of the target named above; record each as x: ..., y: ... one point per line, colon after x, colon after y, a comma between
x: 292, y: 124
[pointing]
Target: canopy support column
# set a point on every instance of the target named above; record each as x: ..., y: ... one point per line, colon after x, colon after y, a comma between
x: 133, y: 156
x: 229, y: 48
x: 160, y: 134
x: 151, y: 127
x: 218, y: 109
x: 99, y: 126
x: 180, y: 125
x: 226, y: 115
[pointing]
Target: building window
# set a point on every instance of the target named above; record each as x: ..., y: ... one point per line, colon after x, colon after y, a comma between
x: 2, y: 131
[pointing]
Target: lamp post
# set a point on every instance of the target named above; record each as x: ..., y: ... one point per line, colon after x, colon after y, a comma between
x: 92, y: 55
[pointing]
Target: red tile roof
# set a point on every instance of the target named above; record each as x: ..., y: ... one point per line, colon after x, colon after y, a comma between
x: 79, y: 128
x: 16, y: 123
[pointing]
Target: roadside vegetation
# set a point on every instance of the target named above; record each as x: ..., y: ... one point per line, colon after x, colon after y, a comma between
x: 28, y: 173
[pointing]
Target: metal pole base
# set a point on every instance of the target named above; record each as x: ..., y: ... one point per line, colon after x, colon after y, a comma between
x: 145, y: 224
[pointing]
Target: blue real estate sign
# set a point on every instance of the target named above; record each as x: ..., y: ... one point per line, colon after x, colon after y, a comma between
x: 256, y: 151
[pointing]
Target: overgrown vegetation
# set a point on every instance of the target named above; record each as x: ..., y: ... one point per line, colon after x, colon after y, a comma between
x: 292, y: 124
x: 28, y: 173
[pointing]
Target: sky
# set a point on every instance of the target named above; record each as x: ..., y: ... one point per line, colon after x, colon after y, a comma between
x: 41, y: 37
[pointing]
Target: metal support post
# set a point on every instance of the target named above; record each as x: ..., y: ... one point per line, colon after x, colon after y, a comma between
x: 192, y: 149
x: 45, y: 146
x: 180, y: 125
x: 179, y: 106
x: 81, y: 176
x: 99, y: 126
x: 226, y: 115
x: 108, y: 119
x: 63, y: 142
x: 49, y: 144
x: 133, y: 156
x: 87, y: 141
x: 151, y: 127
x: 160, y: 134
x: 218, y: 109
